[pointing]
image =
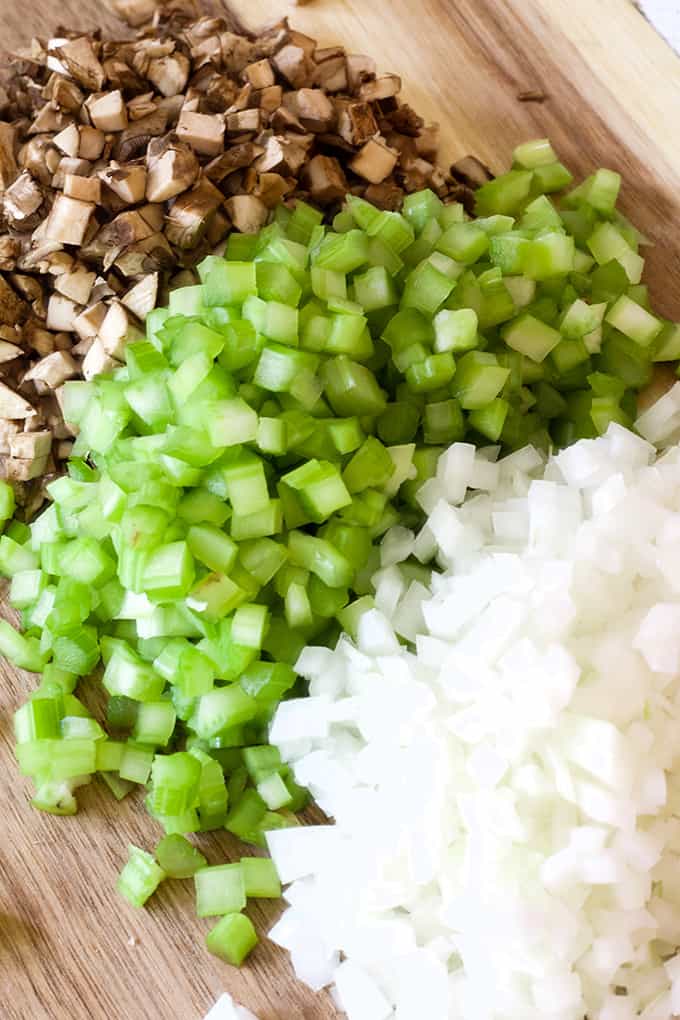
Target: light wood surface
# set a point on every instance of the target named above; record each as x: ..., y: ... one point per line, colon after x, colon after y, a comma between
x: 70, y: 949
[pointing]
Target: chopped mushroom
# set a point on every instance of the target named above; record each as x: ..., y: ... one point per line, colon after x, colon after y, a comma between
x: 260, y: 74
x: 8, y: 163
x: 325, y: 178
x: 356, y: 123
x: 17, y: 470
x: 107, y: 111
x: 80, y: 60
x: 313, y: 109
x: 248, y: 213
x: 141, y: 299
x: 91, y: 142
x: 30, y: 445
x: 375, y: 161
x: 76, y: 285
x: 87, y: 324
x: 61, y: 313
x: 172, y: 168
x: 169, y: 73
x: 13, y: 309
x: 53, y: 370
x: 128, y: 183
x: 68, y: 220
x: 68, y: 140
x: 117, y: 330
x: 383, y: 87
x: 203, y: 132
x: 85, y: 189
x: 9, y: 351
x: 97, y: 361
x: 12, y: 405
x: 293, y: 63
x: 23, y: 198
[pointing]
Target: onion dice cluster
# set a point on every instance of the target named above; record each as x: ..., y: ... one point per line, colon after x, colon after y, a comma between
x: 507, y: 815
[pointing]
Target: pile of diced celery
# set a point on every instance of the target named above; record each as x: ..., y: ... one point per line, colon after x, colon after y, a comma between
x: 229, y: 484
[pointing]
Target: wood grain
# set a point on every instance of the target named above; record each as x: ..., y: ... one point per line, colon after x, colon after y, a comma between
x: 70, y: 948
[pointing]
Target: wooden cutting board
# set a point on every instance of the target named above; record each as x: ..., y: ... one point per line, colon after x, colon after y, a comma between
x: 70, y: 948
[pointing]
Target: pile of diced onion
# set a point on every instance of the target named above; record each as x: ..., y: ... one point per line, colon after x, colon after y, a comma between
x: 507, y: 816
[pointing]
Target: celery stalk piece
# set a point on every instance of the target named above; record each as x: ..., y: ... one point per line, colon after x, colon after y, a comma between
x: 219, y: 890
x: 178, y: 858
x: 140, y: 877
x: 232, y: 939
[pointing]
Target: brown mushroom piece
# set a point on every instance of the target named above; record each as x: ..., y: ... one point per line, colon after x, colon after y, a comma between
x: 22, y: 199
x: 375, y: 161
x: 248, y: 213
x: 313, y: 109
x: 12, y: 405
x: 68, y: 220
x: 8, y: 163
x: 202, y: 131
x: 84, y: 189
x: 169, y: 73
x: 81, y: 61
x: 53, y: 370
x: 108, y: 111
x: 471, y: 171
x: 97, y: 361
x: 325, y: 179
x: 141, y: 299
x: 172, y: 168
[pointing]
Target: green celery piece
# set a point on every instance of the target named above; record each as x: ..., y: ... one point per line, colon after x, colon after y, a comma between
x: 232, y: 939
x: 140, y: 877
x: 178, y: 858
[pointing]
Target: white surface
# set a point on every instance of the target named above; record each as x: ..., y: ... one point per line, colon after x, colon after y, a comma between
x: 665, y: 16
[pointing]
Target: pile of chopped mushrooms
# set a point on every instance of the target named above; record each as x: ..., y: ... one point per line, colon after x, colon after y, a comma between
x: 122, y: 163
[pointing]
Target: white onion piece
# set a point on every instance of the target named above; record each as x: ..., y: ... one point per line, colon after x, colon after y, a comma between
x: 505, y: 788
x: 226, y: 1009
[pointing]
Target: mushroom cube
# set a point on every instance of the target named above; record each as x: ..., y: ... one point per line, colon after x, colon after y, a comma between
x: 203, y: 132
x: 85, y: 189
x: 107, y: 111
x: 53, y: 370
x: 61, y: 313
x: 169, y: 73
x: 12, y: 405
x: 80, y: 60
x: 325, y: 179
x: 375, y: 161
x: 97, y: 361
x: 141, y: 299
x: 248, y: 213
x: 171, y: 170
x: 30, y: 445
x: 383, y: 87
x: 19, y: 470
x: 243, y: 121
x: 92, y: 142
x: 87, y: 324
x: 76, y: 285
x: 23, y: 198
x: 260, y: 74
x: 68, y: 140
x: 356, y: 123
x: 294, y: 65
x: 127, y: 182
x: 68, y: 221
x: 117, y: 330
x: 270, y: 99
